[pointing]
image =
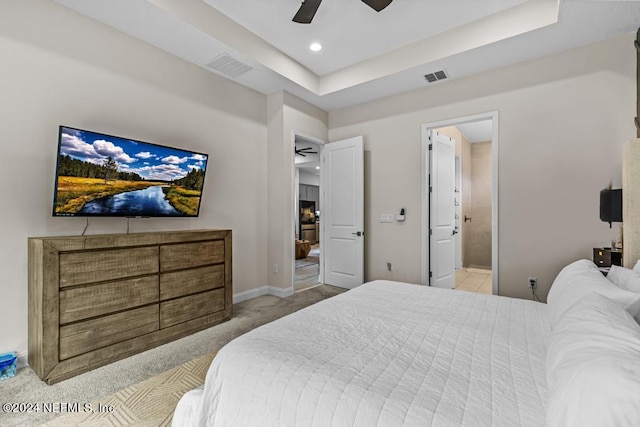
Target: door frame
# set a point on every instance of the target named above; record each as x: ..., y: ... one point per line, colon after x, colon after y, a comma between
x: 292, y: 239
x: 426, y: 127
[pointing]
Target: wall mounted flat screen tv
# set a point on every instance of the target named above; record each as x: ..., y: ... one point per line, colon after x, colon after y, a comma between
x: 105, y: 175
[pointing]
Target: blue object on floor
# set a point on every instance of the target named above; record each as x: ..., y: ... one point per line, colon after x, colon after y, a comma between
x: 8, y: 365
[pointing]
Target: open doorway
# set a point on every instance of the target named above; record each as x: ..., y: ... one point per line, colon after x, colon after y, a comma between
x: 473, y: 261
x: 308, y: 213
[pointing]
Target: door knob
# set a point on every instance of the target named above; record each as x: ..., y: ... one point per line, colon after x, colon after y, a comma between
x: 467, y: 218
x: 358, y: 233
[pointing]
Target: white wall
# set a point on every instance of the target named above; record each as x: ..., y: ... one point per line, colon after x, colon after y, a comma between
x: 287, y: 115
x: 309, y: 178
x: 562, y: 122
x: 478, y: 246
x: 61, y: 68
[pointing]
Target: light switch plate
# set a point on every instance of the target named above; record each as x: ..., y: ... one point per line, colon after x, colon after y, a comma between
x: 386, y: 217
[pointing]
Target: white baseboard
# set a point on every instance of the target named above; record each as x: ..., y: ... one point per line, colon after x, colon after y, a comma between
x: 280, y: 292
x: 263, y: 290
x: 23, y: 360
x: 253, y: 293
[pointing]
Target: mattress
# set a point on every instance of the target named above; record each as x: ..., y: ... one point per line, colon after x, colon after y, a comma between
x: 383, y: 354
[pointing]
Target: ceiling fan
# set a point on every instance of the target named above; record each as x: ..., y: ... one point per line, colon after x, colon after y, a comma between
x: 303, y: 151
x: 309, y: 7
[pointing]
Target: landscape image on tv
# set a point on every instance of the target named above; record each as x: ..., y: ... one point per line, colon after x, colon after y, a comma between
x: 104, y: 175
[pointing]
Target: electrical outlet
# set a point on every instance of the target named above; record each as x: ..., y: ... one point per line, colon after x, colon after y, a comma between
x: 275, y: 268
x: 388, y: 265
x: 533, y: 282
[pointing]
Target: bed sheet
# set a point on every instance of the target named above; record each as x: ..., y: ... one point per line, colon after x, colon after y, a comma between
x: 383, y: 354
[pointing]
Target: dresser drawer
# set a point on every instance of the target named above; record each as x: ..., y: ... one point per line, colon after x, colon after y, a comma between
x: 82, y: 337
x: 187, y: 255
x: 104, y: 298
x: 180, y: 283
x: 77, y: 268
x: 186, y: 308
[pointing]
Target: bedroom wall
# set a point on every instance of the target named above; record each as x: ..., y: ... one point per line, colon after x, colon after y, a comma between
x: 59, y: 67
x: 287, y: 115
x: 562, y: 122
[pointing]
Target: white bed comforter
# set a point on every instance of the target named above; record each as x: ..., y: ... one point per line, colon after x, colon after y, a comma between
x: 384, y: 354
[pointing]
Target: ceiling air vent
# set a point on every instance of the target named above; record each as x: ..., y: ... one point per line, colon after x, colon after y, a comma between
x: 437, y: 76
x: 227, y: 65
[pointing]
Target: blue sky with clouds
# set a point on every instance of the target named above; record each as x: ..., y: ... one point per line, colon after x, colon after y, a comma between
x: 152, y: 162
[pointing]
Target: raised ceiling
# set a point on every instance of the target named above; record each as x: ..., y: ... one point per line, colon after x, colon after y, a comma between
x: 349, y: 31
x: 366, y: 55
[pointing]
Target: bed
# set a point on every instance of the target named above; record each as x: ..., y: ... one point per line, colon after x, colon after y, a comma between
x: 392, y: 354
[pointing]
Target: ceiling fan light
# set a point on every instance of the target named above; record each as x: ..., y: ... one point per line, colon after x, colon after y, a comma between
x: 315, y: 46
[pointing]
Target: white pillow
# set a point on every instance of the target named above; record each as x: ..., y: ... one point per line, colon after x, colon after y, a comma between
x: 580, y: 279
x: 625, y: 278
x: 637, y: 266
x: 593, y: 366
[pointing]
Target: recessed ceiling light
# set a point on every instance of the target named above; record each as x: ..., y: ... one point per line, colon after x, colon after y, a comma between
x: 315, y: 47
x: 318, y: 167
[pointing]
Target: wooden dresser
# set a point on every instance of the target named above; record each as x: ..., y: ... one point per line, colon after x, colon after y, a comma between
x: 97, y: 299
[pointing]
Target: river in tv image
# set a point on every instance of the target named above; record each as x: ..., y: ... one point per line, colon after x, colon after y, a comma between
x: 147, y: 202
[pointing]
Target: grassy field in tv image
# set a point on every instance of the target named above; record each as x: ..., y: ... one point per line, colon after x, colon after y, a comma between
x: 75, y: 192
x: 106, y: 175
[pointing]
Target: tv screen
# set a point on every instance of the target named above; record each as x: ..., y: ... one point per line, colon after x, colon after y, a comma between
x: 105, y: 175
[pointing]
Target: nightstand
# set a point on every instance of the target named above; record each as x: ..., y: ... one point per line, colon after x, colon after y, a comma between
x: 606, y: 257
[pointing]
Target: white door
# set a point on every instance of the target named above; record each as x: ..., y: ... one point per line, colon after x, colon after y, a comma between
x: 442, y: 211
x: 342, y: 216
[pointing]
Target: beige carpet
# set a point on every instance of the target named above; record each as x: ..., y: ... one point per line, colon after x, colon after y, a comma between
x: 305, y: 262
x: 148, y: 403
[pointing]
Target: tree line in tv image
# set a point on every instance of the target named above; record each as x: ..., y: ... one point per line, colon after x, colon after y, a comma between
x: 99, y: 177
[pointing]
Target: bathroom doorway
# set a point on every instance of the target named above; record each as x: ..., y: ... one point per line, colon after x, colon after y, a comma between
x: 473, y: 262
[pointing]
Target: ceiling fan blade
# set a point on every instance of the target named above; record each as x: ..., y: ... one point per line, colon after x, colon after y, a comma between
x: 377, y: 5
x: 306, y: 12
x: 305, y: 150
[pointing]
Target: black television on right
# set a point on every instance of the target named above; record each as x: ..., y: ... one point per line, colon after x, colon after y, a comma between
x: 611, y: 205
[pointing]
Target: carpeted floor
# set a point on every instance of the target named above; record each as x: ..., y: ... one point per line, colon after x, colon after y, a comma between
x: 93, y: 386
x: 305, y: 262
